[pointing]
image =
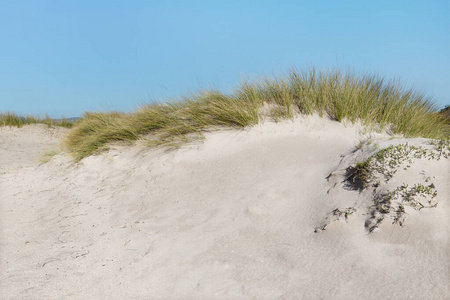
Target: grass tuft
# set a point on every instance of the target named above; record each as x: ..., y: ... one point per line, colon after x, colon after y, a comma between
x: 11, y: 119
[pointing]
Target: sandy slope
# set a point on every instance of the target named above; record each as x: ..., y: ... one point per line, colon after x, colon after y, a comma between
x: 25, y: 146
x: 231, y: 218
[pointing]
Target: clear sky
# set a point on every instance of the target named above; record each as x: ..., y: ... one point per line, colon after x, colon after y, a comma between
x: 67, y: 57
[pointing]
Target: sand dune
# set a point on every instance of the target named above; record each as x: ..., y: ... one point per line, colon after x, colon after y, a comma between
x: 264, y: 213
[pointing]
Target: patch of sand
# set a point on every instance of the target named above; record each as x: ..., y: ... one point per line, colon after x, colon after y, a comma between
x: 25, y: 146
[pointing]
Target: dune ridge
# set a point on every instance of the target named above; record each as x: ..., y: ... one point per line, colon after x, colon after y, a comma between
x: 233, y: 216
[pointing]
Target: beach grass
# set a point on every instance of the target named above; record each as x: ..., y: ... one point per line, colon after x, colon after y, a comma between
x: 11, y: 119
x: 445, y: 113
x: 371, y: 99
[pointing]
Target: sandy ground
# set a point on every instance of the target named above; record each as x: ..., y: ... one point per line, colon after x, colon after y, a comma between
x: 234, y: 217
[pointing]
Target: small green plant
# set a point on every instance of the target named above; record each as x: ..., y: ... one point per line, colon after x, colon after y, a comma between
x: 348, y: 212
x: 336, y: 215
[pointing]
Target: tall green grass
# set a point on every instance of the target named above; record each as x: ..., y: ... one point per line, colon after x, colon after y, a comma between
x: 11, y: 119
x: 445, y: 113
x: 341, y: 95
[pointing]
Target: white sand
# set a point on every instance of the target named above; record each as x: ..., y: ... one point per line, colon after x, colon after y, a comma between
x: 230, y: 218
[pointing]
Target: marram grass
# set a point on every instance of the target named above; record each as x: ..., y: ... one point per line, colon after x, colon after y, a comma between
x: 368, y: 98
x: 11, y: 119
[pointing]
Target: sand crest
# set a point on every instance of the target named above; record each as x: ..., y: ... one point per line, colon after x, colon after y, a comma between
x: 264, y: 213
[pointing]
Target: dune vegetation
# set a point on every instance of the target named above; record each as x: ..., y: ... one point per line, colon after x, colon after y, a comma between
x: 11, y: 119
x: 445, y: 112
x: 371, y: 99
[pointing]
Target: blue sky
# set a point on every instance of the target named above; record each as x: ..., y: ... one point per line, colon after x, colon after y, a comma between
x: 67, y: 57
